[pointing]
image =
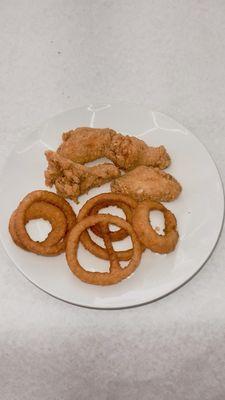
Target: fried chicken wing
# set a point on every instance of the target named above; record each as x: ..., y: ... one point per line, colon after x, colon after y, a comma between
x: 126, y: 152
x: 147, y: 183
x: 72, y: 179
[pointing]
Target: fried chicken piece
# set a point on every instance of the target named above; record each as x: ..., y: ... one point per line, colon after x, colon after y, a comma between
x: 127, y: 152
x: 72, y: 179
x: 85, y: 144
x: 147, y: 183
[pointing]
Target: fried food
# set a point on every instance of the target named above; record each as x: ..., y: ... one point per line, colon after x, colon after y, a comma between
x: 147, y: 235
x: 147, y: 183
x: 116, y: 273
x: 72, y: 179
x: 17, y: 224
x: 126, y: 152
x: 48, y: 212
x: 104, y: 199
x: 114, y: 235
x: 85, y: 144
x: 12, y: 230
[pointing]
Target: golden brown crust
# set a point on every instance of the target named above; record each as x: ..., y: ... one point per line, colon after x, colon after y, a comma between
x: 114, y: 235
x: 73, y: 179
x: 147, y: 183
x: 54, y: 215
x: 85, y: 144
x: 147, y: 235
x: 86, y: 240
x: 19, y: 221
x: 127, y: 152
x: 12, y: 230
x: 116, y: 273
x: 46, y: 211
x: 96, y: 203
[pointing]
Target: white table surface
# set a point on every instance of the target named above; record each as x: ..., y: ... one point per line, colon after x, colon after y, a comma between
x: 56, y: 55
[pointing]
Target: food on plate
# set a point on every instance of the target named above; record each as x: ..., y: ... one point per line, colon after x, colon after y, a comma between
x: 126, y: 152
x: 12, y: 231
x: 82, y: 145
x: 114, y: 235
x: 105, y: 199
x: 17, y: 224
x: 147, y: 235
x: 136, y: 192
x: 72, y: 179
x: 68, y: 231
x: 48, y: 212
x: 116, y: 273
x: 147, y: 183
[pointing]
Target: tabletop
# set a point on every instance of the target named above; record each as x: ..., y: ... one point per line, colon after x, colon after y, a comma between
x: 56, y: 55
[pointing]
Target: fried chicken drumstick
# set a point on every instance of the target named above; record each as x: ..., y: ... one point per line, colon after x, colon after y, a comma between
x: 72, y: 179
x: 126, y: 152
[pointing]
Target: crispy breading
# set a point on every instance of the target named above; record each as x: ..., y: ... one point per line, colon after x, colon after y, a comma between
x: 147, y: 183
x: 84, y: 144
x: 126, y: 152
x: 73, y: 179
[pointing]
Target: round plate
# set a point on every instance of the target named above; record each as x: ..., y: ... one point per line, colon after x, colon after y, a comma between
x: 199, y: 209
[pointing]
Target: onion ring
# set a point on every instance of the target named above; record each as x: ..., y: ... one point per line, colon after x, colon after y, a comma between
x: 20, y: 222
x: 88, y: 243
x: 116, y: 273
x: 119, y: 234
x: 114, y: 235
x: 46, y: 211
x: 147, y: 235
x: 13, y: 232
x: 50, y: 213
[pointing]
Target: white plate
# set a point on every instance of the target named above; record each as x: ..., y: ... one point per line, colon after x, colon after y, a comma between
x: 199, y: 209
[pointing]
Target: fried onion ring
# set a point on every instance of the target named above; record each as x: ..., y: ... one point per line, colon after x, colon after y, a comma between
x: 19, y: 220
x: 147, y: 235
x: 12, y: 231
x: 48, y: 212
x: 116, y: 273
x: 120, y: 234
x: 105, y: 200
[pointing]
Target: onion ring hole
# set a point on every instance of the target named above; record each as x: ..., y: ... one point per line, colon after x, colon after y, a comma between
x: 38, y: 229
x: 157, y: 220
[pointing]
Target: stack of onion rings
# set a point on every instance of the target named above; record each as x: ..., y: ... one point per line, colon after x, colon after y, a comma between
x: 147, y: 235
x: 67, y: 232
x: 51, y: 207
x: 93, y: 206
x: 114, y: 235
x: 116, y: 273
